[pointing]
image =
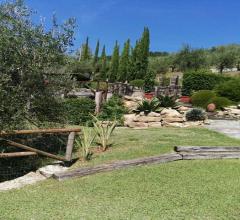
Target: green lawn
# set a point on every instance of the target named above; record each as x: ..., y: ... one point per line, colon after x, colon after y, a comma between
x: 178, y: 190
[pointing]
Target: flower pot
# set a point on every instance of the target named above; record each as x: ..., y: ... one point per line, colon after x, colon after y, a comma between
x: 211, y: 107
x: 185, y: 99
x: 148, y: 95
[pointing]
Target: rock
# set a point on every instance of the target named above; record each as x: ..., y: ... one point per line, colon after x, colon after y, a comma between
x: 193, y: 123
x: 211, y: 107
x: 235, y: 111
x: 142, y: 114
x: 134, y: 99
x: 146, y: 119
x: 139, y: 94
x: 131, y: 105
x: 183, y: 109
x: 171, y: 113
x: 154, y: 114
x: 174, y: 124
x: 22, y: 181
x: 137, y: 125
x: 49, y: 170
x: 220, y: 113
x: 128, y: 119
x: 238, y: 106
x: 155, y: 125
x: 207, y: 122
x: 171, y: 119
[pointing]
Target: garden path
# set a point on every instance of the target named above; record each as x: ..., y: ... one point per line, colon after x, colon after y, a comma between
x: 229, y: 127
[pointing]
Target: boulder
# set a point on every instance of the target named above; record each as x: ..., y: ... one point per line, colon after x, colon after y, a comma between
x: 154, y: 114
x: 146, y: 119
x: 171, y: 113
x: 131, y: 105
x: 49, y: 170
x: 137, y: 125
x: 183, y: 109
x: 174, y: 124
x: 155, y: 125
x: 234, y: 111
x: 128, y: 119
x: 172, y: 119
x: 193, y: 123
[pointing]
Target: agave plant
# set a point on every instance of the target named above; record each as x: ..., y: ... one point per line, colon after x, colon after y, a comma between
x: 85, y: 142
x: 149, y: 105
x: 103, y: 132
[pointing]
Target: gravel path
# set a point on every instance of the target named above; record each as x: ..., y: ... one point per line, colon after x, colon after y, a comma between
x: 228, y: 127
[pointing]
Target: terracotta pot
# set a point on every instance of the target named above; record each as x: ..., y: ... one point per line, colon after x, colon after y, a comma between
x: 185, y: 99
x: 148, y: 95
x: 211, y: 107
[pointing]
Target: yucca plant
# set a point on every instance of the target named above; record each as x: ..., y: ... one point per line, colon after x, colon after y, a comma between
x: 103, y: 132
x: 84, y: 142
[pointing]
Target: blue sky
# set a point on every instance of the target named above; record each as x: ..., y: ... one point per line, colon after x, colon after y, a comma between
x: 201, y: 23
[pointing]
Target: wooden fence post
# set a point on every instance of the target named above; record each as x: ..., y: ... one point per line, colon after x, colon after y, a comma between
x: 70, y: 143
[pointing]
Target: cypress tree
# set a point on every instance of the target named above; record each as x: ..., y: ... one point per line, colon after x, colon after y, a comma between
x: 124, y: 62
x: 140, y: 54
x: 85, y: 51
x: 103, y: 68
x: 113, y: 73
x: 95, y: 59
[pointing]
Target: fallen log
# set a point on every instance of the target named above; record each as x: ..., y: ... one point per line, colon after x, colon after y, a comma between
x: 80, y: 172
x: 17, y: 154
x: 206, y: 149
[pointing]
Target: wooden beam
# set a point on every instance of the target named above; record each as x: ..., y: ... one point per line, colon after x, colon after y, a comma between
x: 40, y: 131
x: 70, y: 143
x: 210, y: 155
x: 17, y: 154
x: 25, y: 147
x: 206, y: 149
x: 80, y: 172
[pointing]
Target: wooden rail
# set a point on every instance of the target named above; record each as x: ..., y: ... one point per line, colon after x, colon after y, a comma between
x: 68, y: 156
x: 40, y: 131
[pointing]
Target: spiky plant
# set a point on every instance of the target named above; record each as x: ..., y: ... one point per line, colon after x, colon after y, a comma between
x: 103, y: 132
x: 149, y: 105
x: 84, y: 142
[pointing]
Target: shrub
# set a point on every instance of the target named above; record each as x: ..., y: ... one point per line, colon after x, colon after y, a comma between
x: 200, y: 80
x: 78, y: 110
x: 201, y: 98
x: 139, y: 83
x: 195, y: 114
x: 220, y: 102
x: 113, y: 109
x: 230, y: 89
x: 167, y: 101
x: 149, y: 105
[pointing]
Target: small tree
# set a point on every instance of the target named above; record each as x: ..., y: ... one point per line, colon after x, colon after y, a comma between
x: 124, y: 62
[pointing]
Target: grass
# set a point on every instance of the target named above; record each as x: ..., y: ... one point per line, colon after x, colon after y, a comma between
x: 130, y: 143
x: 179, y: 190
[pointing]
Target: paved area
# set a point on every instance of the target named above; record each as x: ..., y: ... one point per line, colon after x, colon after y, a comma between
x: 228, y: 127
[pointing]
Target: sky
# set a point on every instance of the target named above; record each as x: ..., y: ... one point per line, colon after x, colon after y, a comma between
x: 172, y: 23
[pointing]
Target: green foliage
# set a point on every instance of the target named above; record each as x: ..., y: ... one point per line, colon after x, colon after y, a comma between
x: 85, y: 141
x: 200, y: 80
x: 28, y: 52
x: 230, y: 89
x: 104, y: 132
x: 95, y: 58
x: 124, y: 64
x: 189, y: 58
x: 148, y: 106
x: 113, y: 109
x: 202, y: 97
x: 167, y: 101
x: 220, y: 102
x: 195, y: 114
x: 139, y: 58
x: 113, y: 72
x: 85, y: 51
x: 224, y: 57
x: 103, y: 64
x: 79, y: 110
x: 149, y: 80
x: 139, y: 83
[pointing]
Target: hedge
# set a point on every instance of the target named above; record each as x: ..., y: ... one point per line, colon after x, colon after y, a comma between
x: 200, y: 80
